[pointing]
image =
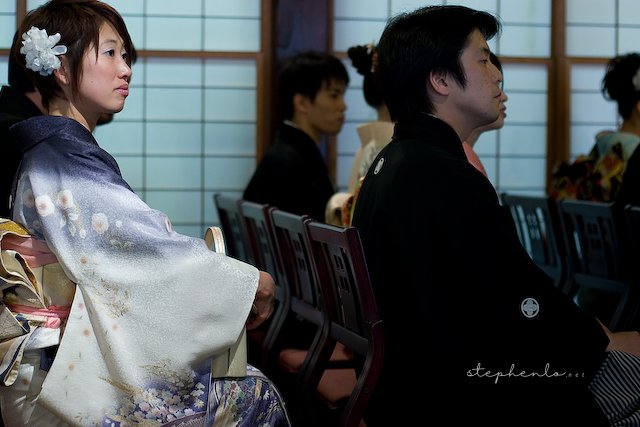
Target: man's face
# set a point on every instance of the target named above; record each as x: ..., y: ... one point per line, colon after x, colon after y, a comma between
x: 325, y: 114
x: 499, y: 123
x: 480, y: 102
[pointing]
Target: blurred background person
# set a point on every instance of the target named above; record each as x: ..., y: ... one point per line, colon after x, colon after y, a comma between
x: 293, y: 174
x: 376, y: 134
x: 622, y: 84
x: 611, y: 170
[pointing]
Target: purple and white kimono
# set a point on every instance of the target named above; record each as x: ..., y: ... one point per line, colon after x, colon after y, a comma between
x: 150, y: 308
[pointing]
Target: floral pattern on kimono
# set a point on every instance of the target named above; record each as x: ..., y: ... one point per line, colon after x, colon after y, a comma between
x: 151, y: 307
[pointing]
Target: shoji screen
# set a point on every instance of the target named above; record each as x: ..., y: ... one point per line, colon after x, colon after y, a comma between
x: 7, y: 29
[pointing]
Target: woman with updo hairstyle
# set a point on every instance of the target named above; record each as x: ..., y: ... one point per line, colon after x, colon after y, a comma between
x: 610, y: 172
x: 621, y: 83
x: 376, y: 134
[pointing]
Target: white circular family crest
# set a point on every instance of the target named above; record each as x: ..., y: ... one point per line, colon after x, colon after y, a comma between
x: 530, y: 307
x: 378, y: 166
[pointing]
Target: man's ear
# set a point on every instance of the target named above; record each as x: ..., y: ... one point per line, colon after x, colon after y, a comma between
x: 301, y: 102
x: 62, y: 75
x: 438, y: 82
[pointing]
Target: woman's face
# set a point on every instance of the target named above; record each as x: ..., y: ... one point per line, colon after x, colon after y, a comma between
x: 104, y: 84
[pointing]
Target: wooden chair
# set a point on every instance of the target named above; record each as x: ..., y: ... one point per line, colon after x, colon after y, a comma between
x: 289, y: 343
x: 540, y: 231
x: 232, y: 225
x: 354, y: 321
x: 597, y: 279
x: 632, y: 218
x: 257, y: 223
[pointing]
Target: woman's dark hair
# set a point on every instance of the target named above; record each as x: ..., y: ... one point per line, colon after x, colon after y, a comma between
x: 621, y: 82
x: 78, y: 22
x: 364, y: 59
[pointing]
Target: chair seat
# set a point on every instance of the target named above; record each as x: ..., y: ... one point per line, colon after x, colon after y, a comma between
x: 291, y: 359
x: 336, y: 385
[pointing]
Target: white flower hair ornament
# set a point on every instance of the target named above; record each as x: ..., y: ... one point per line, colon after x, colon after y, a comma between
x: 40, y: 51
x: 636, y: 81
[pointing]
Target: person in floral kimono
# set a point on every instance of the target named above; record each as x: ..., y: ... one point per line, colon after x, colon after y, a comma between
x: 109, y: 316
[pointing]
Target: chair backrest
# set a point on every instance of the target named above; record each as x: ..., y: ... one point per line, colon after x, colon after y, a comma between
x: 232, y: 225
x: 632, y: 217
x: 354, y: 319
x: 303, y: 294
x: 598, y: 281
x: 540, y: 230
x: 257, y: 223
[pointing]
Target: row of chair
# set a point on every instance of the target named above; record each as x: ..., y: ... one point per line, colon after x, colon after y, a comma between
x: 589, y: 248
x: 324, y: 300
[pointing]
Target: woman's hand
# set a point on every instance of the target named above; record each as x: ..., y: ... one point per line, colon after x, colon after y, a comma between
x: 627, y: 341
x: 264, y: 303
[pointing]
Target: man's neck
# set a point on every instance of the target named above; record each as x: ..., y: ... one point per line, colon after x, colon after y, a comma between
x: 454, y: 120
x: 316, y: 136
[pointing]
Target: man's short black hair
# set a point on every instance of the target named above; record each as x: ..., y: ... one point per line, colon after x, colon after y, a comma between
x: 415, y: 44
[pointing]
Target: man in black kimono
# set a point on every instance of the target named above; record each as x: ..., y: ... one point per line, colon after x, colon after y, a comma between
x: 293, y: 175
x: 502, y: 345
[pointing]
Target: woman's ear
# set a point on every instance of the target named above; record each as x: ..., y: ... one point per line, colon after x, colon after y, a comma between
x: 438, y: 82
x: 62, y: 75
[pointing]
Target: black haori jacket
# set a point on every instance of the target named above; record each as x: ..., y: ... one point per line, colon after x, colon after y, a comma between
x: 477, y: 333
x: 292, y: 176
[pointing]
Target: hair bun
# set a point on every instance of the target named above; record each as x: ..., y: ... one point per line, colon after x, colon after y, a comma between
x: 362, y: 58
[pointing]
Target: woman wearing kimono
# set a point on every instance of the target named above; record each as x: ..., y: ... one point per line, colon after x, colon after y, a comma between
x: 110, y: 317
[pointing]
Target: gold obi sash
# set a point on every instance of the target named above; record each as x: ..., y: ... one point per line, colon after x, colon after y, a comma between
x: 36, y: 293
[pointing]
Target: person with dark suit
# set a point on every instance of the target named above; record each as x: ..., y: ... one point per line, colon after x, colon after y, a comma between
x: 293, y: 175
x: 499, y: 344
